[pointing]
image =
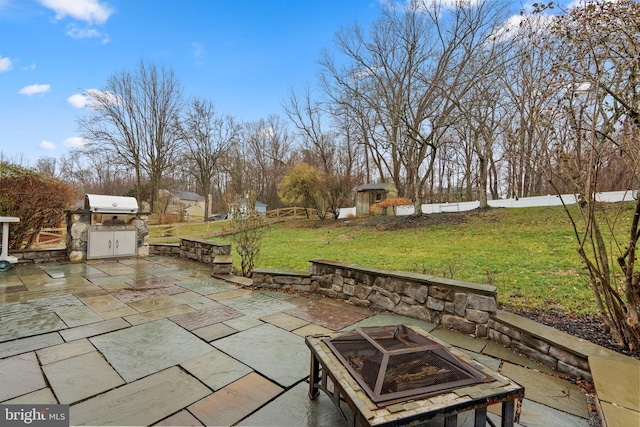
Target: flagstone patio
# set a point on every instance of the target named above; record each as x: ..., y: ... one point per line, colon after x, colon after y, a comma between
x: 160, y: 342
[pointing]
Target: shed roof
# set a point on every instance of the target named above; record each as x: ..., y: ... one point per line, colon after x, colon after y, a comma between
x: 379, y: 186
x: 187, y: 195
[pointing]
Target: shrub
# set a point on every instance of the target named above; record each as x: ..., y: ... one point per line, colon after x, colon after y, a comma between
x: 38, y: 200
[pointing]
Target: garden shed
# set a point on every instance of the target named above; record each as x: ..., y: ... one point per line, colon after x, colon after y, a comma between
x: 369, y: 194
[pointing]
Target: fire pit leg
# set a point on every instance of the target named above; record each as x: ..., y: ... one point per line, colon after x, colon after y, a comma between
x: 451, y: 420
x: 314, y: 378
x: 480, y: 417
x: 508, y: 413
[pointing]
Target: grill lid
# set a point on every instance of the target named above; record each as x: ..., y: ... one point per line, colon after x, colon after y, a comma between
x: 110, y: 204
x: 395, y: 363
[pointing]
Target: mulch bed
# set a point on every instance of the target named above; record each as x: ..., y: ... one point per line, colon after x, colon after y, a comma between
x: 586, y: 327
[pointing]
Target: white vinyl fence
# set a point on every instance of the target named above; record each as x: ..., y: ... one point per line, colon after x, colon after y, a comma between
x: 522, y: 202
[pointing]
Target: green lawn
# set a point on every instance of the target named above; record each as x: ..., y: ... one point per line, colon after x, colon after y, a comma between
x: 528, y: 254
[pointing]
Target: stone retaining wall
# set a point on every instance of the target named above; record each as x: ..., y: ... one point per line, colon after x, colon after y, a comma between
x: 36, y: 256
x: 541, y: 343
x: 164, y: 249
x: 462, y: 306
x: 204, y: 251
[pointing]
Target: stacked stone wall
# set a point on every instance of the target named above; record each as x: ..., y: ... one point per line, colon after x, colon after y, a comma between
x: 203, y: 250
x: 549, y: 352
x: 462, y: 306
x: 31, y: 256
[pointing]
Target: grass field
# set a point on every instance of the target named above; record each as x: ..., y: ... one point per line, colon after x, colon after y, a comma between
x: 529, y: 254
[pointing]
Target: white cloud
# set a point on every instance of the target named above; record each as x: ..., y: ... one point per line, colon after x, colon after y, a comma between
x: 34, y: 89
x: 75, y: 142
x: 29, y: 67
x: 5, y: 63
x: 89, y: 11
x: 82, y: 33
x: 78, y: 100
x: 531, y: 23
x: 46, y: 145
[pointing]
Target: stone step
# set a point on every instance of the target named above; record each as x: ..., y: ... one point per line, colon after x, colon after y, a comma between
x: 223, y: 259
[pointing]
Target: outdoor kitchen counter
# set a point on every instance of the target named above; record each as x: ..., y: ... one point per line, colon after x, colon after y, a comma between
x: 331, y: 376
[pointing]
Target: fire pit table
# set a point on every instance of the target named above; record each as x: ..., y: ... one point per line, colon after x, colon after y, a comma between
x: 401, y: 375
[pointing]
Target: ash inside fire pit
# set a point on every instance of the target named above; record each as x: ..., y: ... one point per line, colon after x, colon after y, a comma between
x: 394, y: 363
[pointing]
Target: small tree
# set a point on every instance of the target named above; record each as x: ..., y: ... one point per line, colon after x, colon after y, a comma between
x: 248, y: 227
x: 38, y: 200
x: 307, y: 185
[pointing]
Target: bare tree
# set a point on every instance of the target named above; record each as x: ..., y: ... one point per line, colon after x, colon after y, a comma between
x: 207, y: 136
x: 269, y: 145
x: 322, y: 146
x: 411, y: 72
x: 598, y: 64
x: 136, y: 115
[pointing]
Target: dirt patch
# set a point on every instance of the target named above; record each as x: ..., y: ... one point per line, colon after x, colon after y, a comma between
x: 389, y: 223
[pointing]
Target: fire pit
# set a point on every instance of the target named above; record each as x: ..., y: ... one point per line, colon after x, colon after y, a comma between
x: 397, y: 375
x: 396, y: 362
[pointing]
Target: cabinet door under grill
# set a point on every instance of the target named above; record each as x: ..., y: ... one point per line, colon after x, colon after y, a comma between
x: 111, y: 243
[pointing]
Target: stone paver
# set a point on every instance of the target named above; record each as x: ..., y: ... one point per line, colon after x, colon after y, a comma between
x: 206, y: 286
x: 459, y: 339
x: 60, y: 352
x: 142, y: 402
x: 621, y: 376
x: 230, y: 294
x: 93, y: 329
x: 279, y: 355
x: 617, y: 416
x: 163, y: 313
x: 312, y: 329
x: 182, y: 419
x: 216, y: 369
x: 214, y: 332
x: 534, y: 414
x: 131, y: 294
x: 284, y: 321
x: 20, y: 375
x: 243, y: 322
x: 387, y: 319
x: 201, y: 318
x: 148, y: 348
x: 326, y: 315
x: 12, y: 327
x: 82, y: 376
x: 24, y: 345
x: 234, y: 402
x: 548, y: 390
x: 44, y: 396
x: 257, y: 305
x: 501, y: 352
x: 294, y: 408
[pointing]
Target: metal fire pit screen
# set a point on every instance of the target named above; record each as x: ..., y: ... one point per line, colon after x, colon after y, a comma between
x: 394, y: 363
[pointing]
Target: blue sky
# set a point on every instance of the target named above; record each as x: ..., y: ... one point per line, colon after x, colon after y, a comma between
x: 242, y: 54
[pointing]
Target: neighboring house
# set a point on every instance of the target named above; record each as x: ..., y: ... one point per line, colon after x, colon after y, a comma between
x: 184, y: 203
x: 194, y: 213
x: 369, y: 194
x: 242, y: 203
